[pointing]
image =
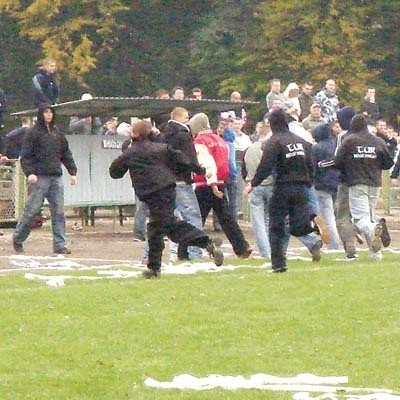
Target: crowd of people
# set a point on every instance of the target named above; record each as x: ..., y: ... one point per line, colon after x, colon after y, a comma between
x: 312, y: 169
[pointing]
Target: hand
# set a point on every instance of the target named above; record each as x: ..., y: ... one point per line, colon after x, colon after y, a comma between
x: 248, y: 189
x: 73, y: 181
x: 217, y: 192
x: 394, y: 181
x: 32, y: 178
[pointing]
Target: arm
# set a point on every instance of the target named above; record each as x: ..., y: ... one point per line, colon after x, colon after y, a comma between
x: 206, y: 160
x: 28, y: 154
x: 67, y: 159
x: 267, y: 163
x: 38, y: 90
x: 118, y: 167
x: 310, y: 163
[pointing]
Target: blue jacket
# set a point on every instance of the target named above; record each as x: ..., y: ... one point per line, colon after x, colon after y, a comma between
x: 326, y: 175
x: 45, y: 88
x: 229, y: 137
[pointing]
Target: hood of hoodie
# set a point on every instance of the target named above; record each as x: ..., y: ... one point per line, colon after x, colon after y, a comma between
x: 278, y: 121
x: 292, y: 85
x: 40, y: 117
x: 321, y: 132
x: 229, y: 135
x: 344, y: 117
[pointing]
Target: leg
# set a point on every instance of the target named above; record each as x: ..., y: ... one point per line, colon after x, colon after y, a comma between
x: 325, y: 200
x: 259, y: 218
x: 344, y: 222
x: 139, y: 224
x: 278, y: 229
x: 228, y: 223
x: 34, y: 202
x: 55, y: 197
x: 362, y: 204
x: 188, y: 207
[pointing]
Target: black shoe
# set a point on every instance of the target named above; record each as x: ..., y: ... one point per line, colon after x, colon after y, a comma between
x: 151, y: 273
x: 278, y: 270
x: 385, y: 236
x: 63, y: 250
x: 316, y: 251
x: 351, y: 257
x: 215, y: 251
x: 18, y: 247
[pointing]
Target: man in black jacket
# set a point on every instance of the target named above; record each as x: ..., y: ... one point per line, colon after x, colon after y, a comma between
x: 44, y: 149
x: 44, y: 85
x: 151, y: 167
x: 361, y: 159
x: 176, y: 134
x: 288, y: 157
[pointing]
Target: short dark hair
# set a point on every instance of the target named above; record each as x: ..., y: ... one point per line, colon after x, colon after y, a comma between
x: 278, y: 121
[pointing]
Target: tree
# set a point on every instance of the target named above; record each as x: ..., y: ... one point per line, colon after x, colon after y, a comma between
x: 73, y: 32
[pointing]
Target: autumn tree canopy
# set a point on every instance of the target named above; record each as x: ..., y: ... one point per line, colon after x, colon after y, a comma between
x: 125, y: 48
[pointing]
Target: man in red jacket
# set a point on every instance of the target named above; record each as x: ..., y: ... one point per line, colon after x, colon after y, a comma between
x: 213, y: 155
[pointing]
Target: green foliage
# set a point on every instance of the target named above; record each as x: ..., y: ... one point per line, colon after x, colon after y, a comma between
x: 125, y: 48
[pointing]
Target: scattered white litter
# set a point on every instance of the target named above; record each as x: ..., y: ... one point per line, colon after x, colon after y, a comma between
x: 330, y: 396
x: 303, y: 384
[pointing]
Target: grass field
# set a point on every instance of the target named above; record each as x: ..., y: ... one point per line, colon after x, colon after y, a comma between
x: 101, y: 339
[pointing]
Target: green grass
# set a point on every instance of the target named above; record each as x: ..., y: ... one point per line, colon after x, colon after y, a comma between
x: 101, y: 339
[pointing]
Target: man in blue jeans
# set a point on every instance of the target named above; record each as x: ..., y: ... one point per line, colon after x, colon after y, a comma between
x: 176, y: 134
x: 44, y: 150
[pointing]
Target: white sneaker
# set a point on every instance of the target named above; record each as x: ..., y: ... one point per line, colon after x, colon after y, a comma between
x: 375, y: 255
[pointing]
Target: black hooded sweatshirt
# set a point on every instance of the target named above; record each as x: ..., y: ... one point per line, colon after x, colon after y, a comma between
x: 45, y: 148
x: 287, y: 154
x: 362, y: 156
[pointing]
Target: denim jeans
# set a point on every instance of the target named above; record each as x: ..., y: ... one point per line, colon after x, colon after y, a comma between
x: 52, y: 189
x: 362, y: 202
x: 139, y: 223
x: 239, y: 185
x: 326, y: 201
x: 259, y: 200
x: 187, y: 208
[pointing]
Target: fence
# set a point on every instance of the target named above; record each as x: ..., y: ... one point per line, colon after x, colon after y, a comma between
x: 12, y: 192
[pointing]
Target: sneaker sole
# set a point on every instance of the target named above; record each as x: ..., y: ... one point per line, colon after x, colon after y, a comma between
x: 218, y: 257
x: 376, y: 243
x: 316, y: 252
x: 385, y: 236
x: 323, y: 229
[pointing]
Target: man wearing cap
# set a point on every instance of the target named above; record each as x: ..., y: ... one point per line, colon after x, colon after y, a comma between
x: 314, y: 118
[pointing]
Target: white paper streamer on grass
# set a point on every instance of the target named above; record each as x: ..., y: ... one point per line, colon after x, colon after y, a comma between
x: 302, y: 383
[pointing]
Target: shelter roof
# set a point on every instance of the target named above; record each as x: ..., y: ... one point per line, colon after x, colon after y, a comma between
x: 138, y: 106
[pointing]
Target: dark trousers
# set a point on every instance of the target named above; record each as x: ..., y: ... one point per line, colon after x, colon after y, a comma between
x: 207, y: 202
x: 162, y: 223
x: 288, y: 201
